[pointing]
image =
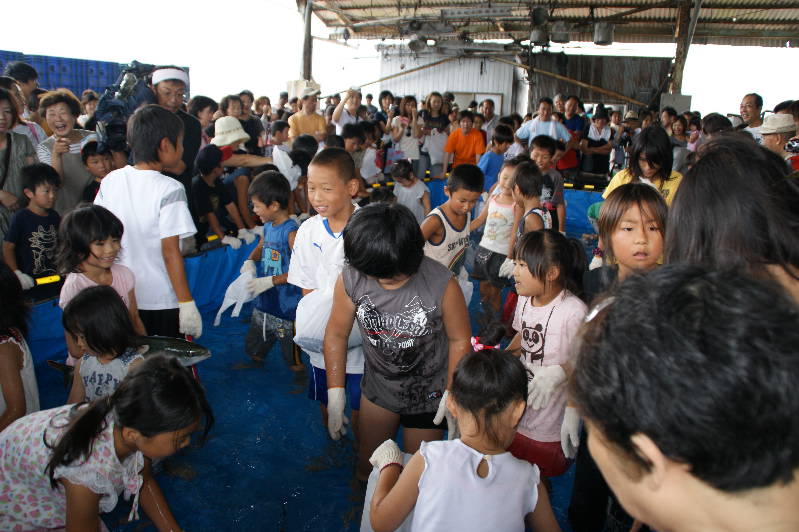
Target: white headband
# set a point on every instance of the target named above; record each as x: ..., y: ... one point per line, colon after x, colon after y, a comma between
x: 164, y: 74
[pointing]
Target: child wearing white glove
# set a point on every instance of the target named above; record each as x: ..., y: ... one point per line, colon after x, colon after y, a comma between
x: 547, y: 274
x: 404, y: 304
x: 471, y: 483
x: 275, y: 300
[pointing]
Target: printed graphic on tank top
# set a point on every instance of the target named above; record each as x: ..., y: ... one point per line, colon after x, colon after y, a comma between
x: 405, y: 345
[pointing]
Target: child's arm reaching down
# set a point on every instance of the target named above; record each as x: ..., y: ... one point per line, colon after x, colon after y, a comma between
x: 334, y: 347
x: 397, y: 487
x: 191, y: 322
x: 542, y: 519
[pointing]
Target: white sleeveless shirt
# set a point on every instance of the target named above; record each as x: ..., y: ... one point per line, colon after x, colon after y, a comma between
x: 453, y: 497
x: 451, y: 251
x: 27, y: 375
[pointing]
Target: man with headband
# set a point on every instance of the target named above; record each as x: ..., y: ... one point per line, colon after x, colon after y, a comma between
x: 170, y: 85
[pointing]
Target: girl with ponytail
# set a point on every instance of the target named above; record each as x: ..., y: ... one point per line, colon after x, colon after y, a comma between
x: 61, y: 468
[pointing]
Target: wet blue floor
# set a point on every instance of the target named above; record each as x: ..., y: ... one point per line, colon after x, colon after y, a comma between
x: 269, y: 464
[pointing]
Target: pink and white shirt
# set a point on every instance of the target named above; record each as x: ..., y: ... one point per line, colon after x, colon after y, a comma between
x: 27, y: 502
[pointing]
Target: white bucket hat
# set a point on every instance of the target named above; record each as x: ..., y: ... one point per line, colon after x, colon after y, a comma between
x: 228, y: 131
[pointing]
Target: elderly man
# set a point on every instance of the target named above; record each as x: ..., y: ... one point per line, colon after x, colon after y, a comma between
x: 491, y: 118
x: 308, y: 121
x: 751, y: 109
x: 777, y: 130
x: 543, y: 124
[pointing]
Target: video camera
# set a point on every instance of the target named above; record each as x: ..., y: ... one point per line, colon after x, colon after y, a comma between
x: 130, y: 91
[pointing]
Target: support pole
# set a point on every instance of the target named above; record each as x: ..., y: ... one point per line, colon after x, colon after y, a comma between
x: 307, y: 45
x: 681, y: 53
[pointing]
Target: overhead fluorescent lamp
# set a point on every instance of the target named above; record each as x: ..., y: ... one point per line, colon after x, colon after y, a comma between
x: 477, y: 12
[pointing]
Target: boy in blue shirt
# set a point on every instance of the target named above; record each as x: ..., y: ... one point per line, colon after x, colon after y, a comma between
x: 30, y: 243
x: 492, y: 160
x: 276, y: 300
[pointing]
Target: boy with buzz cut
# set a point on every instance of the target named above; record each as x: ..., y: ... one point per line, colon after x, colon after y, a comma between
x: 446, y: 228
x: 154, y: 210
x: 491, y: 162
x: 318, y: 258
x: 543, y: 153
x: 30, y: 243
x: 276, y: 300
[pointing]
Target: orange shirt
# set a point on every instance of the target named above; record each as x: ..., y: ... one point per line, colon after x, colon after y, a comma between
x: 465, y: 148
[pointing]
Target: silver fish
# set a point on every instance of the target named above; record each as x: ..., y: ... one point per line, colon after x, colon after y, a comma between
x: 188, y: 353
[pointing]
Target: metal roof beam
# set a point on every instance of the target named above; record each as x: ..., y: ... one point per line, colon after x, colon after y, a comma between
x: 721, y: 4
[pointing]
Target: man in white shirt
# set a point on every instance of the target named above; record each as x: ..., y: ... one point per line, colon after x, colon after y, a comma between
x: 751, y: 109
x: 491, y: 118
x: 543, y: 124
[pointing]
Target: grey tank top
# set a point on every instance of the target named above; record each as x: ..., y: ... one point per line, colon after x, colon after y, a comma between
x: 405, y: 347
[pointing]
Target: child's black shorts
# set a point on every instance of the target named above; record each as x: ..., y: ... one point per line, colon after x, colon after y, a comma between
x: 486, y: 266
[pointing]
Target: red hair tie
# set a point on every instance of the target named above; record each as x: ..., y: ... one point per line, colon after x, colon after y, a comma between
x: 477, y: 346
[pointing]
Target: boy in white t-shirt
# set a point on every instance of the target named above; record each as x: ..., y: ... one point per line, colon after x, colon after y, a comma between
x: 155, y: 213
x: 318, y: 257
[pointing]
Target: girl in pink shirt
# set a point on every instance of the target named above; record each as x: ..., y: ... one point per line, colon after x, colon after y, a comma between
x: 89, y: 243
x: 548, y: 269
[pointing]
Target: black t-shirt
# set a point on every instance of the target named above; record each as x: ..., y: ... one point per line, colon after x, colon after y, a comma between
x: 90, y: 192
x: 440, y: 121
x: 208, y: 199
x: 192, y: 137
x: 34, y: 238
x: 254, y: 128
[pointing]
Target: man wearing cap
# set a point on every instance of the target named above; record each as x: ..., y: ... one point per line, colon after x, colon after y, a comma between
x: 751, y: 107
x: 777, y: 130
x: 169, y: 85
x: 308, y: 121
x: 623, y: 139
x: 346, y: 111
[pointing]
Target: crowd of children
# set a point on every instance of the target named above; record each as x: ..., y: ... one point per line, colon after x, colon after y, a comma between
x: 372, y: 291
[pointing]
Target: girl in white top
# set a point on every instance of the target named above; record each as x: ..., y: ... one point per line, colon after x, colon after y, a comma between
x: 19, y: 394
x: 495, y: 246
x: 69, y: 464
x: 471, y: 483
x: 406, y: 130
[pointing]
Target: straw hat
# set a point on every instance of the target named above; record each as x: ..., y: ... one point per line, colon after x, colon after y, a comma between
x: 228, y: 131
x: 782, y: 123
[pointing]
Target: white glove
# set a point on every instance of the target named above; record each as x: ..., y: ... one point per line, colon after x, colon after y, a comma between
x: 541, y: 388
x: 228, y: 240
x: 246, y: 235
x: 452, y: 423
x: 386, y: 454
x: 336, y: 399
x: 260, y: 285
x: 570, y: 432
x: 258, y: 231
x: 25, y: 280
x: 506, y: 270
x: 191, y: 323
x: 248, y: 267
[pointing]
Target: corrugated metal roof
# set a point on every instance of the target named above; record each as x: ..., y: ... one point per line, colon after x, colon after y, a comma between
x: 737, y: 22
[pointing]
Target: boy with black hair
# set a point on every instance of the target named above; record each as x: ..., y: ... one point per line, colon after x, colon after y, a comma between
x: 213, y: 207
x: 30, y: 243
x: 409, y: 190
x: 334, y: 141
x: 279, y: 136
x: 543, y: 153
x: 306, y: 143
x: 317, y: 259
x: 446, y: 228
x: 276, y: 300
x: 99, y: 163
x: 154, y: 210
x: 354, y: 137
x: 492, y: 160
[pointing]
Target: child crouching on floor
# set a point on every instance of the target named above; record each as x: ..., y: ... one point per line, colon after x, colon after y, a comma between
x: 276, y: 300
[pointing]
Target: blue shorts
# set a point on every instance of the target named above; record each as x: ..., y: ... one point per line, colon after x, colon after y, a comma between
x: 317, y: 387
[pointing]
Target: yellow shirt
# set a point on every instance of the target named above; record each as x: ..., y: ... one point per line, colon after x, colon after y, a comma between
x: 667, y: 188
x: 302, y: 124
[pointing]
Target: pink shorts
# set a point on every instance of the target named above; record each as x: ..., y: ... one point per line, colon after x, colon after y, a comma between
x: 547, y: 455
